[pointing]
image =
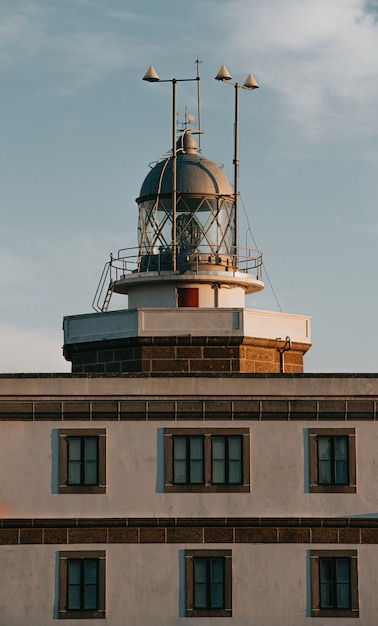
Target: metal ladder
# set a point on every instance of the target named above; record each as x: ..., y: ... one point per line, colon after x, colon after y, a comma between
x: 108, y: 297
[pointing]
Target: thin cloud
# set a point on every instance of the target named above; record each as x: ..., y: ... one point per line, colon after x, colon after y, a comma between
x: 70, y: 44
x: 321, y: 58
x: 21, y: 32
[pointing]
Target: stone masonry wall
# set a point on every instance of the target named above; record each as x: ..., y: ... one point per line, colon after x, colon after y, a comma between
x: 186, y: 355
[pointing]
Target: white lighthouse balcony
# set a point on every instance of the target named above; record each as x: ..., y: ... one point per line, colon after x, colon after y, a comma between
x: 129, y: 272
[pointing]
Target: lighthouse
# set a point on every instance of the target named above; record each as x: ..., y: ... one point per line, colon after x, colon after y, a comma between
x: 187, y: 468
x: 186, y: 280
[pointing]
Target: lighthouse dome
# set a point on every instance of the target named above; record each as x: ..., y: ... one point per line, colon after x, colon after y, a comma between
x: 195, y: 175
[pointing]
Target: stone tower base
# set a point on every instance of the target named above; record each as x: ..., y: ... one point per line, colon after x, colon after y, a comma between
x: 186, y: 354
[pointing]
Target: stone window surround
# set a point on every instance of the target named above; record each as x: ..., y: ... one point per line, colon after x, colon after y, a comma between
x: 189, y: 583
x: 63, y: 465
x: 207, y: 486
x: 316, y: 611
x: 351, y: 487
x: 63, y: 579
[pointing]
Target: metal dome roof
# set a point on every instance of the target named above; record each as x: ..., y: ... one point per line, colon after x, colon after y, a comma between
x: 196, y: 175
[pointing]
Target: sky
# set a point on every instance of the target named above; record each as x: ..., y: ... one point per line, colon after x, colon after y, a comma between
x: 80, y: 127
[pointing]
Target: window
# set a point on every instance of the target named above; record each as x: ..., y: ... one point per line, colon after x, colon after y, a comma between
x: 208, y: 583
x: 188, y: 459
x: 82, y: 585
x: 334, y: 583
x: 82, y: 461
x: 332, y: 460
x: 204, y: 460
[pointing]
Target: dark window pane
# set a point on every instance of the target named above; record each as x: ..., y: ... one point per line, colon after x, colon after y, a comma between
x: 334, y: 583
x: 217, y: 594
x: 326, y: 583
x: 91, y: 571
x: 74, y: 597
x: 227, y: 460
x: 341, y: 469
x: 196, y: 448
x: 217, y: 570
x: 91, y: 460
x: 90, y: 601
x: 83, y: 461
x: 326, y: 596
x: 333, y: 465
x: 196, y: 460
x: 74, y: 581
x: 196, y: 472
x: 180, y: 448
x: 325, y: 473
x: 324, y: 448
x: 91, y: 473
x: 200, y: 583
x: 74, y: 473
x: 235, y: 477
x: 235, y: 448
x: 74, y: 460
x: 219, y: 459
x: 82, y: 584
x: 325, y: 570
x: 208, y: 583
x: 91, y: 448
x: 179, y: 472
x: 200, y: 599
x: 343, y: 583
x: 325, y: 460
x: 180, y: 460
x: 74, y: 449
x: 217, y: 583
x: 343, y: 596
x: 91, y: 576
x: 235, y: 460
x: 341, y: 448
x: 188, y: 460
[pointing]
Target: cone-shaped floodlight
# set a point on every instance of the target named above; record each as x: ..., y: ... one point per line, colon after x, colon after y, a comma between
x: 250, y: 82
x: 223, y: 74
x: 151, y: 75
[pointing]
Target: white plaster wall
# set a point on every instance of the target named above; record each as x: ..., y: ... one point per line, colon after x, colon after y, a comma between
x: 259, y: 323
x: 135, y: 473
x: 145, y: 585
x: 229, y: 297
x: 151, y: 295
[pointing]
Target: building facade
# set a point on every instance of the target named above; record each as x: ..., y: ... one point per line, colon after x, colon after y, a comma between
x: 250, y: 497
x: 188, y: 470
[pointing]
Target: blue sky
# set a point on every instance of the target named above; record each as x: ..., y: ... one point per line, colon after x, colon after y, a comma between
x: 79, y: 128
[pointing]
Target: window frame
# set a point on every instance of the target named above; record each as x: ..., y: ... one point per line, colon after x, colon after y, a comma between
x: 190, y: 556
x: 207, y: 485
x: 64, y: 558
x: 316, y: 609
x: 64, y: 435
x: 315, y: 487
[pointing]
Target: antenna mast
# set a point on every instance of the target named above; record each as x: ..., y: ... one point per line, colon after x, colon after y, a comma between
x: 198, y: 61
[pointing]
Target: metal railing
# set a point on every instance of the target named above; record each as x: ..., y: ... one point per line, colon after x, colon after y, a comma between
x: 132, y: 261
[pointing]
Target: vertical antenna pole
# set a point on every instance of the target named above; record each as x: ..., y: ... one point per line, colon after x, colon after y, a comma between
x: 174, y: 176
x: 236, y: 173
x: 199, y: 102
